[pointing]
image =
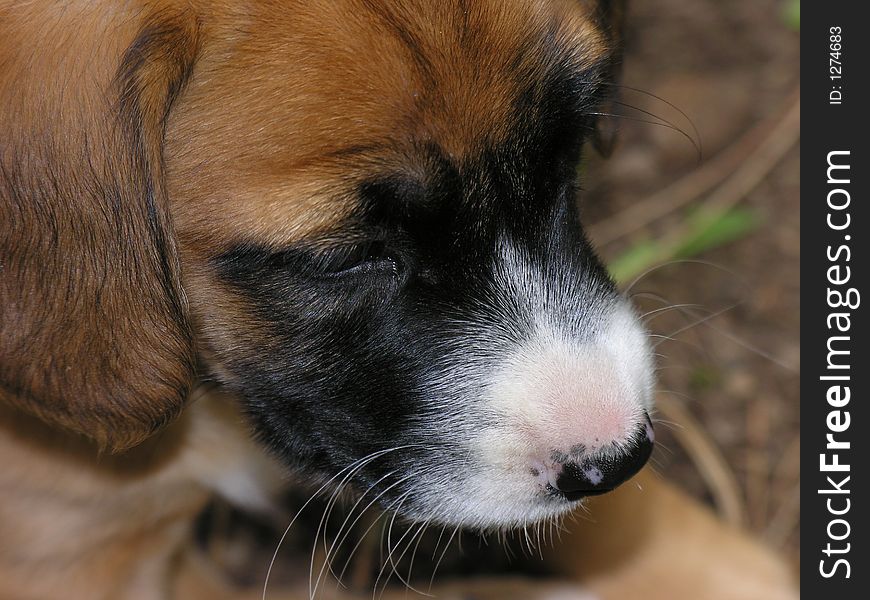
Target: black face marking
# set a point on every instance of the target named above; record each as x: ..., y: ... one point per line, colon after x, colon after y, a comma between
x: 349, y: 338
x: 358, y: 330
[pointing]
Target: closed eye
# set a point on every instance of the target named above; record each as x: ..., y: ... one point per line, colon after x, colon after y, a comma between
x: 249, y: 266
x: 366, y: 257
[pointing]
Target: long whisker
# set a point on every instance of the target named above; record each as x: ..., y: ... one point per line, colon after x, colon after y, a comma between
x: 660, y: 123
x: 414, y: 554
x: 370, y: 527
x: 418, y: 536
x: 324, y: 524
x: 696, y: 140
x: 662, y: 100
x: 339, y: 538
x: 700, y: 321
x: 305, y: 505
x: 743, y: 343
x: 390, y: 551
x: 682, y: 261
x: 441, y: 558
x: 665, y: 309
x: 293, y: 521
x: 438, y: 541
x: 328, y: 511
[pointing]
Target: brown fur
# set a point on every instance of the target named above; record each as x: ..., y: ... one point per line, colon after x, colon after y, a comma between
x: 138, y: 141
x: 102, y: 347
x: 270, y: 136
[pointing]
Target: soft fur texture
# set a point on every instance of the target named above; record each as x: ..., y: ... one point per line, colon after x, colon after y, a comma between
x: 364, y: 251
x: 357, y: 218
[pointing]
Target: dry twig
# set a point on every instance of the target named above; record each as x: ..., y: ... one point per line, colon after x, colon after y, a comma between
x: 708, y: 460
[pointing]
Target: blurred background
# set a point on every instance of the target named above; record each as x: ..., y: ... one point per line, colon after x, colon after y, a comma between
x: 698, y: 209
x: 697, y: 213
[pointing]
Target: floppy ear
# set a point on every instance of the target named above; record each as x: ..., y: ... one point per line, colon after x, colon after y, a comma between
x: 94, y: 331
x: 610, y: 16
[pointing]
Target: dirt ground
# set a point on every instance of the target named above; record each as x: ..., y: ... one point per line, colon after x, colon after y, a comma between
x: 733, y: 68
x: 729, y: 397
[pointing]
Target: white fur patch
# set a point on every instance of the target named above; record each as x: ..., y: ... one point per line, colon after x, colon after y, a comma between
x: 560, y: 368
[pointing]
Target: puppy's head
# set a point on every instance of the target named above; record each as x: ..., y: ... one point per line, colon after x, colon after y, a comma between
x: 374, y: 206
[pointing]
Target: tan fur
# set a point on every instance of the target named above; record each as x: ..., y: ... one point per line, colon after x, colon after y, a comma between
x: 80, y: 525
x: 139, y: 140
x: 276, y: 129
x: 649, y: 540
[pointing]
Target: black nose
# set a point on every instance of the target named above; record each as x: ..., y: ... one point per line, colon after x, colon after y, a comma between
x: 603, y: 471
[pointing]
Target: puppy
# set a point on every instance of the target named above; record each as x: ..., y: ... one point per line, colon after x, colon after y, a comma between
x: 356, y: 218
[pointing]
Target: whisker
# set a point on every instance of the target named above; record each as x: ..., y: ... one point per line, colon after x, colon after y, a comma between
x: 324, y: 525
x: 664, y: 309
x: 441, y: 558
x: 438, y: 541
x: 679, y: 394
x: 394, y: 563
x: 701, y: 321
x: 338, y: 542
x: 670, y: 338
x: 298, y: 513
x: 390, y: 551
x: 662, y: 100
x: 664, y: 124
x: 695, y: 138
x: 359, y: 543
x: 668, y: 424
x: 309, y: 501
x: 685, y: 261
x: 328, y: 512
x: 414, y: 555
x: 331, y: 550
x: 751, y: 347
x: 528, y: 540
